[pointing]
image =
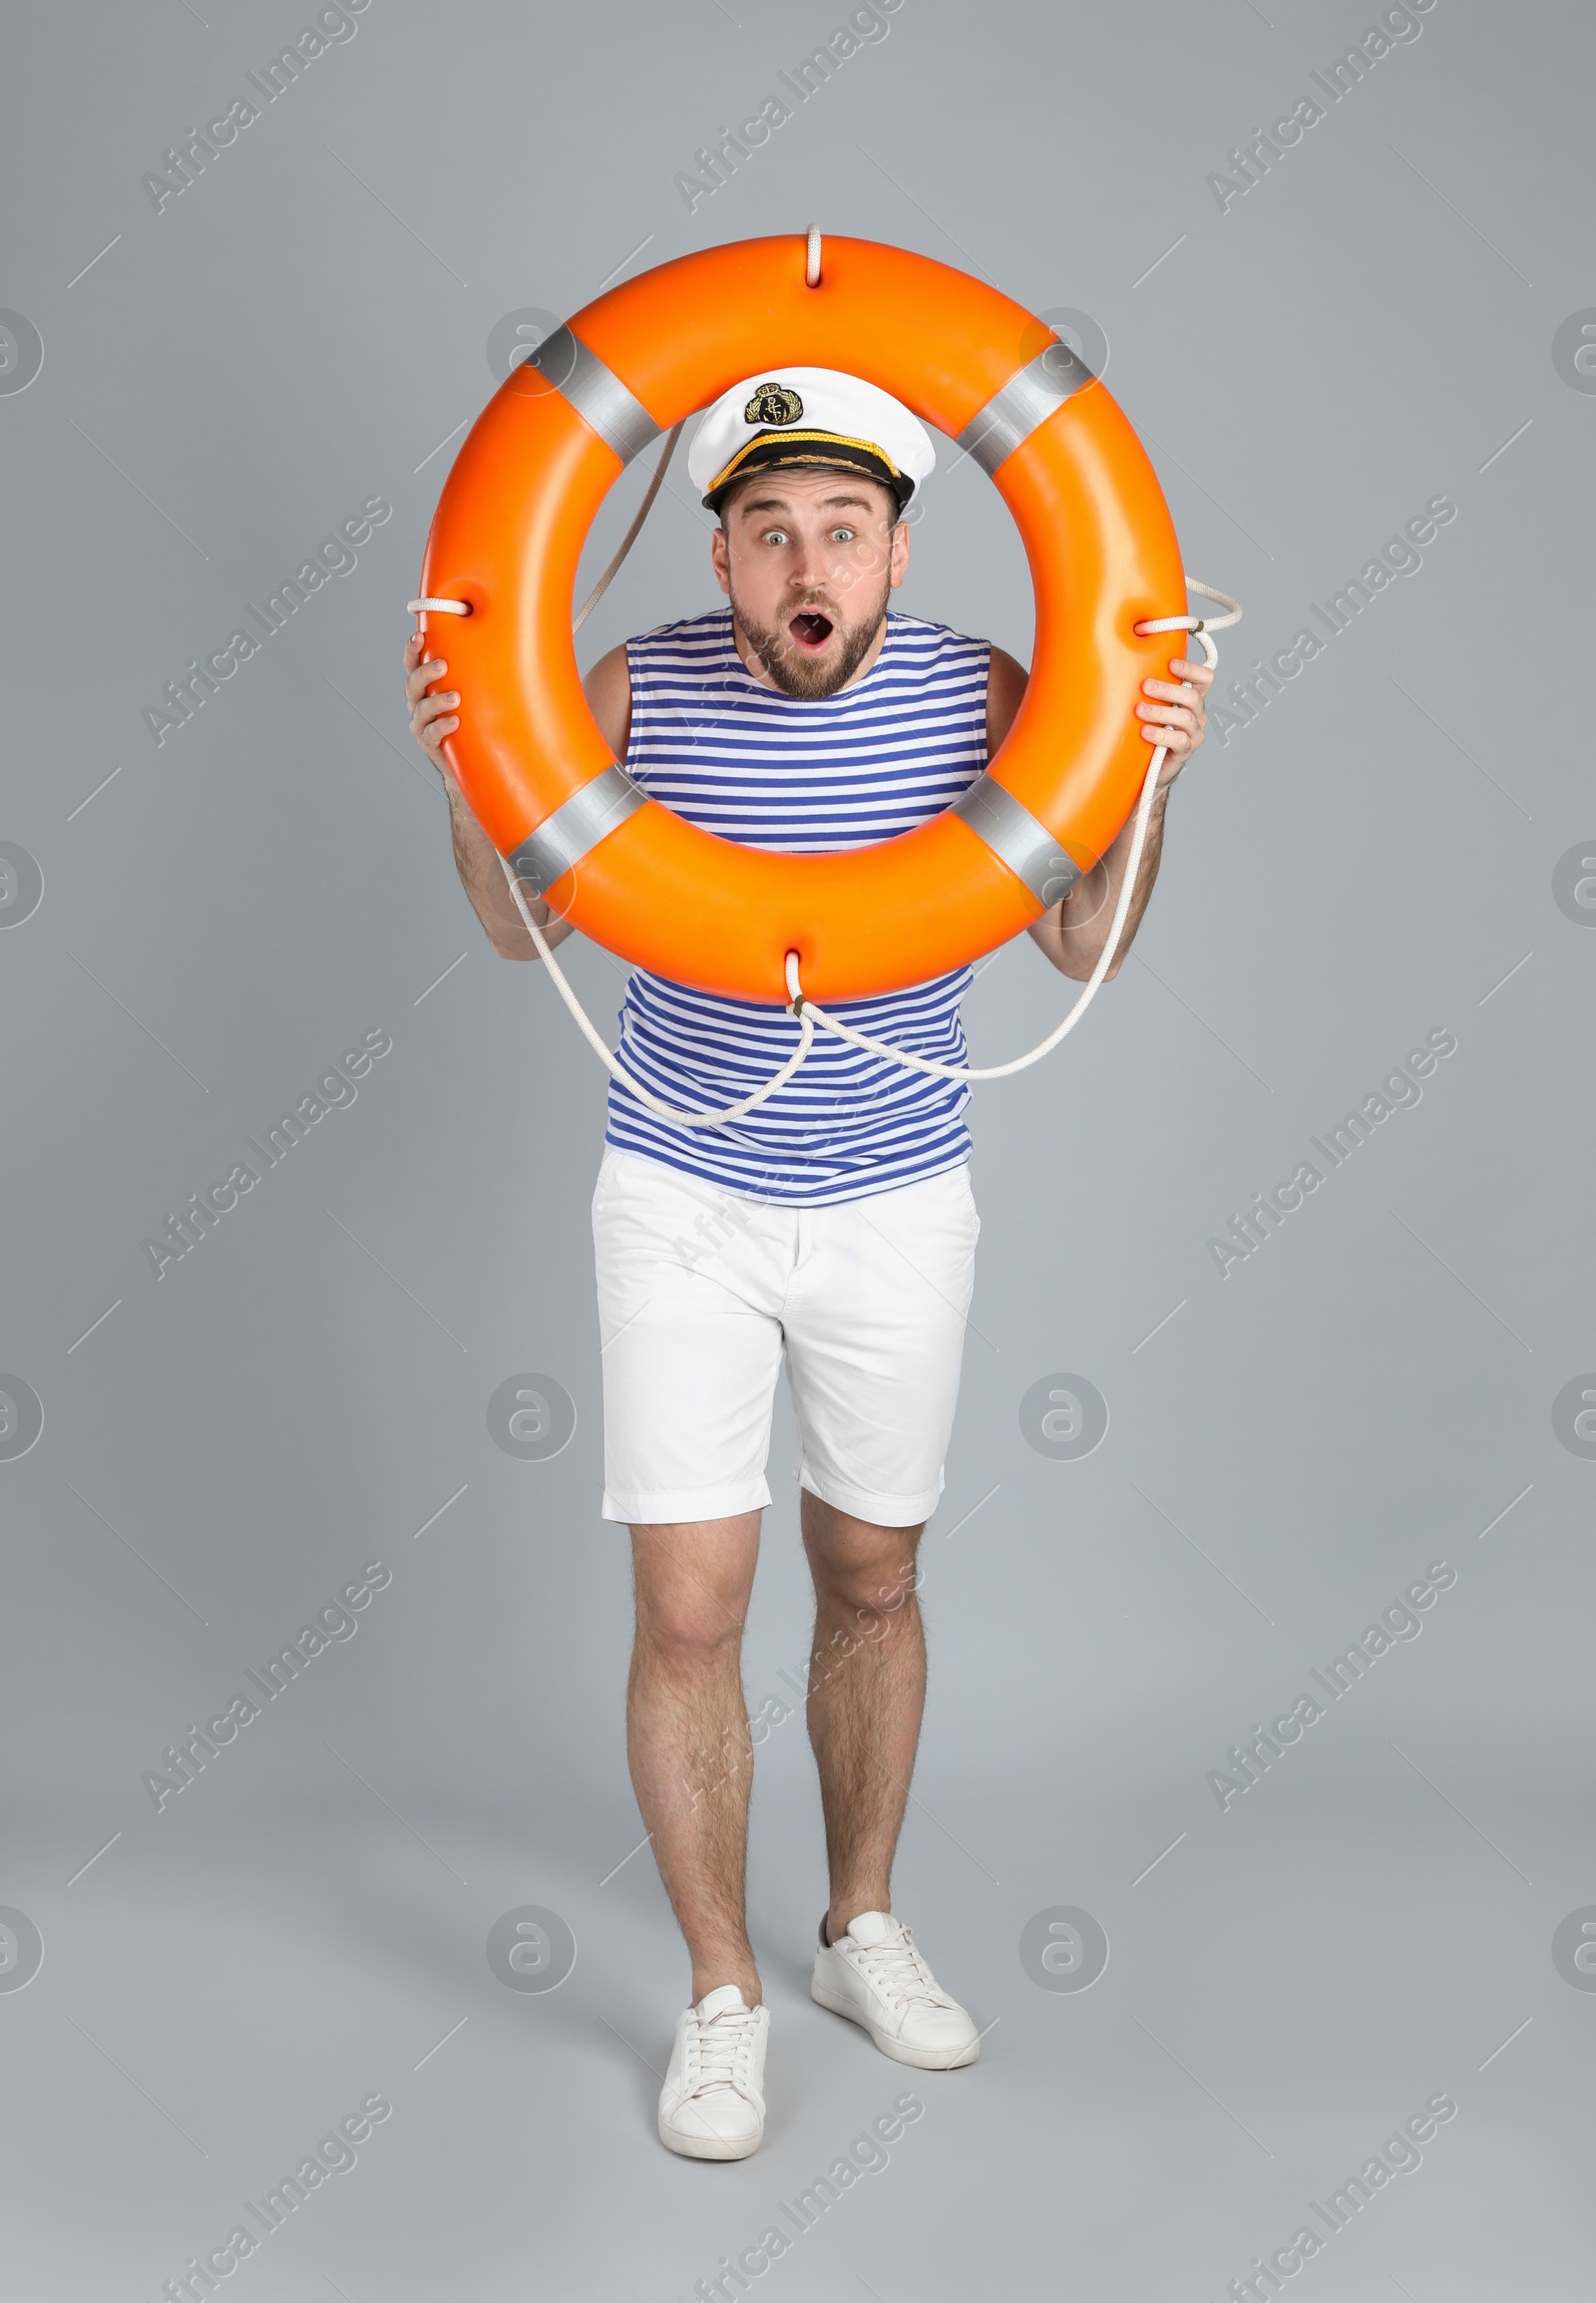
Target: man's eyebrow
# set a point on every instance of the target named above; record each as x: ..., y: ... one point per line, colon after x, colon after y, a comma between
x: 784, y: 502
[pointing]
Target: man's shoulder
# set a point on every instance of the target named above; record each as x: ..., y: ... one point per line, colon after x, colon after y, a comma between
x: 929, y: 624
x: 930, y: 647
x: 711, y: 628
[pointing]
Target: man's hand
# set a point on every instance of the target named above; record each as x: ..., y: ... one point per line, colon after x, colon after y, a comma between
x: 432, y: 717
x: 1178, y: 719
x: 1073, y: 933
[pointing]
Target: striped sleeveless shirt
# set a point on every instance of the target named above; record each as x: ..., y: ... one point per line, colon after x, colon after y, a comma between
x: 800, y: 775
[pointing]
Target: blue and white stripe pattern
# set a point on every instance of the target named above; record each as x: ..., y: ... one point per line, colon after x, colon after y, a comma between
x: 783, y: 772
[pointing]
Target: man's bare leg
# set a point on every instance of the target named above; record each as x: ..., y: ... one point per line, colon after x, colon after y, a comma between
x: 688, y: 1742
x: 867, y: 1691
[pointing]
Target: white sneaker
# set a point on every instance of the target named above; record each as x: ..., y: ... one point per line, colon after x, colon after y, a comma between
x: 876, y: 1977
x: 712, y: 2105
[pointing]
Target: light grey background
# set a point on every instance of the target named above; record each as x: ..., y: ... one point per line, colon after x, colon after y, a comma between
x: 305, y: 327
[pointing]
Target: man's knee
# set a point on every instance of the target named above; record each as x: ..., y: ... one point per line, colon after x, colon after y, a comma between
x: 692, y: 1587
x: 684, y: 1628
x: 868, y: 1572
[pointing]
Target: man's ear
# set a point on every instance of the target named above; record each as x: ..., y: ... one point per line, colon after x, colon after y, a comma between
x: 899, y: 562
x: 720, y: 559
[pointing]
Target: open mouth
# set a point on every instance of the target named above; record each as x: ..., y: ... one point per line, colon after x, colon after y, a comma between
x: 810, y: 632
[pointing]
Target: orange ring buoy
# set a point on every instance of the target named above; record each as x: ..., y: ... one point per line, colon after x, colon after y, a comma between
x: 509, y: 532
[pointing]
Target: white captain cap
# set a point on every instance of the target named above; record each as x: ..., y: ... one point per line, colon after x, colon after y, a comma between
x: 809, y: 416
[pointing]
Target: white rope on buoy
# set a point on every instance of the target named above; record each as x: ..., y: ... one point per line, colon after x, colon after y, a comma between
x: 630, y: 536
x: 606, y: 1057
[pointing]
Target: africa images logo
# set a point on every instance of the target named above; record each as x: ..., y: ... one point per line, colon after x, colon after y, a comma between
x: 774, y: 404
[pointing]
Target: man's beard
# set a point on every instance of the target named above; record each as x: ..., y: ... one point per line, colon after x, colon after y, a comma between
x: 812, y: 677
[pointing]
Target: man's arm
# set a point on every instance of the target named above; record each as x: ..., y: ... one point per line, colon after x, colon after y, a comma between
x: 1074, y: 931
x: 434, y: 719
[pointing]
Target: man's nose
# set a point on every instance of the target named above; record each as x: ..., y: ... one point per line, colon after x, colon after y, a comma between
x: 810, y: 565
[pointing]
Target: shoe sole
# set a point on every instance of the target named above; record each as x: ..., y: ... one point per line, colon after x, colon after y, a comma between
x: 922, y: 2059
x: 707, y: 2147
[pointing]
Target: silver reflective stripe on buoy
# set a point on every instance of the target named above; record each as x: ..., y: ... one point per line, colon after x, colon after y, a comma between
x: 1026, y: 400
x: 1016, y: 839
x: 576, y: 828
x: 595, y: 392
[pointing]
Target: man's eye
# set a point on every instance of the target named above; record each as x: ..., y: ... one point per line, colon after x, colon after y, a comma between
x: 775, y: 536
x: 841, y: 535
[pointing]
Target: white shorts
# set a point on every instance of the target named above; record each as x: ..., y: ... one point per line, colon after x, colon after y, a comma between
x: 702, y: 1291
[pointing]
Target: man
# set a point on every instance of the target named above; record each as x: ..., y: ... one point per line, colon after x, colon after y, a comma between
x: 834, y: 1225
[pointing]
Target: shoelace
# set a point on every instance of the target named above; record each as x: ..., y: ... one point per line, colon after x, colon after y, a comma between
x: 900, y: 1966
x: 717, y: 2050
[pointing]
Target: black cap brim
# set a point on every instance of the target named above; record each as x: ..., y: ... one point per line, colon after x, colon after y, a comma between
x: 777, y: 449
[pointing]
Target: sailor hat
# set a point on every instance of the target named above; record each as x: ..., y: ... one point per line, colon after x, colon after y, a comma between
x: 809, y: 416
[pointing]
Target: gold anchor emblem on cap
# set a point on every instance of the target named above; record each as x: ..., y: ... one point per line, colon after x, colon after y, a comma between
x: 773, y: 403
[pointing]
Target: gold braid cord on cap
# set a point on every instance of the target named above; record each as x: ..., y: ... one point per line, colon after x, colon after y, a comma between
x: 790, y: 440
